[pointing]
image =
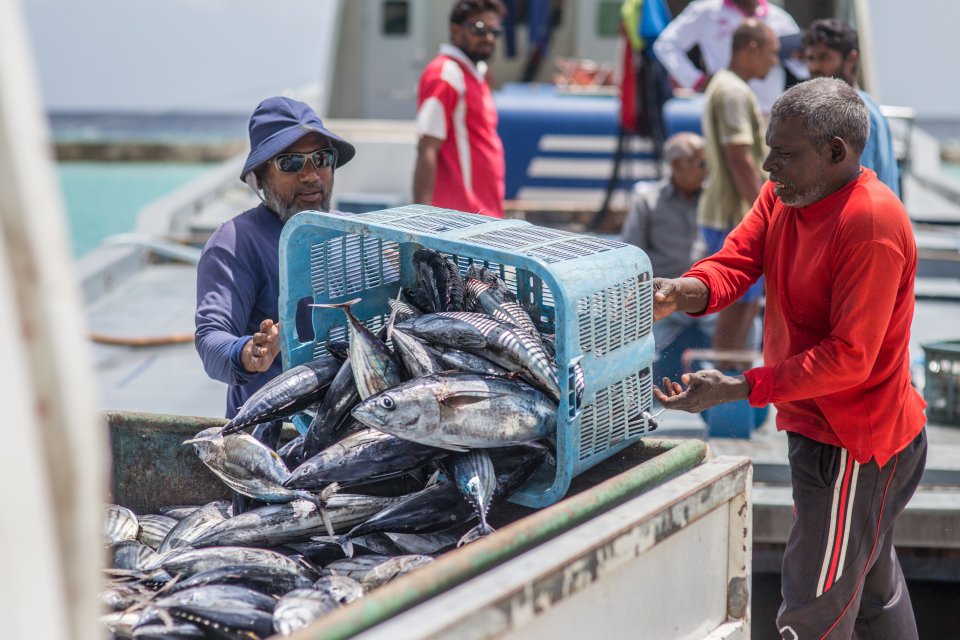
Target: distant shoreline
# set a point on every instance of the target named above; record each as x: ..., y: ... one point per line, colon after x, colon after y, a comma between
x: 147, y: 151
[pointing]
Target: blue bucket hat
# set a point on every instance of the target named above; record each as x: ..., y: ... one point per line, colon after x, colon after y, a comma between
x: 279, y: 122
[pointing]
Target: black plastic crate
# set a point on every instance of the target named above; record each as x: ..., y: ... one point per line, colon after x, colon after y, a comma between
x: 941, y: 387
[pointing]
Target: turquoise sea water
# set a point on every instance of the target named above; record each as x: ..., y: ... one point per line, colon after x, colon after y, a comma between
x: 103, y: 198
x: 952, y: 170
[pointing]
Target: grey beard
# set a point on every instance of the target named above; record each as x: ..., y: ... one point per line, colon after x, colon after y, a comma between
x: 807, y: 198
x: 286, y: 210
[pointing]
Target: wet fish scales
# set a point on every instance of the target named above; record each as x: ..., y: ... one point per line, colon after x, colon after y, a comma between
x: 459, y: 411
x: 290, y: 392
x: 267, y: 580
x: 195, y: 525
x: 300, y: 607
x: 154, y: 528
x: 334, y: 411
x: 119, y: 524
x: 360, y: 458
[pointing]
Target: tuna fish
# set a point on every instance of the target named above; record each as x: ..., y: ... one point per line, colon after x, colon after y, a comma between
x: 268, y: 580
x: 298, y: 520
x: 245, y: 465
x: 481, y: 298
x: 504, y: 344
x: 434, y: 509
x: 459, y: 411
x: 290, y: 392
x: 466, y: 362
x: 131, y: 554
x: 333, y: 412
x: 341, y: 588
x: 360, y: 458
x: 190, y: 562
x: 416, y: 358
x: 226, y: 623
x: 154, y: 528
x: 374, y: 368
x: 439, y: 277
x: 476, y: 479
x: 195, y: 525
x: 392, y: 569
x: 298, y: 608
x: 119, y: 524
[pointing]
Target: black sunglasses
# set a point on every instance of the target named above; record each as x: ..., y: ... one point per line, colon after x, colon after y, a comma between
x: 295, y: 162
x: 481, y: 30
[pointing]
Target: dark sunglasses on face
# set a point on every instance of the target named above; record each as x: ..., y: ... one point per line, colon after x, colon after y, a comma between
x: 295, y: 162
x: 481, y: 30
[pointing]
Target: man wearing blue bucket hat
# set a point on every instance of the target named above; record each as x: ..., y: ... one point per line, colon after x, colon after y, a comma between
x: 290, y: 167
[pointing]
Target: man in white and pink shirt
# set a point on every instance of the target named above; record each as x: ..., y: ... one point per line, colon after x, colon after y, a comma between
x: 709, y: 25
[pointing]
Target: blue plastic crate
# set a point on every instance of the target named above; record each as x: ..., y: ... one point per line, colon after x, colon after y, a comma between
x: 594, y: 293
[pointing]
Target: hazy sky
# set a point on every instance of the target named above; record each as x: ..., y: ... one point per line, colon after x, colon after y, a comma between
x: 175, y: 54
x: 228, y: 54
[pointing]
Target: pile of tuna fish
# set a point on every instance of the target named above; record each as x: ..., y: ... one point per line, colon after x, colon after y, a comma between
x: 406, y: 447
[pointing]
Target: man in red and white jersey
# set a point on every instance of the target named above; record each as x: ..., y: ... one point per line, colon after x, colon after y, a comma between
x: 460, y: 161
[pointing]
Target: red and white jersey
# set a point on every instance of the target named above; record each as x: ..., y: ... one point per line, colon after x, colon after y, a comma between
x: 454, y: 104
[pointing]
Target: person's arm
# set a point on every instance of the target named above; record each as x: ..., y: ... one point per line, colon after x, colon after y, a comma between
x: 743, y: 170
x: 425, y: 171
x: 671, y: 46
x: 226, y: 295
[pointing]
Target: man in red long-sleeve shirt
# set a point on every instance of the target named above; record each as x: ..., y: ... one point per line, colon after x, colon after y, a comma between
x: 839, y: 257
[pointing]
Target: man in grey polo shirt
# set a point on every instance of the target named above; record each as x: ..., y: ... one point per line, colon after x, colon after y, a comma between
x: 662, y: 221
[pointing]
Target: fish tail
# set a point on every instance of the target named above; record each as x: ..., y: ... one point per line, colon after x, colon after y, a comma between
x: 346, y: 544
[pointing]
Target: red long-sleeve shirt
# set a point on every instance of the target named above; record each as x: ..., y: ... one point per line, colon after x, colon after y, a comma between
x: 839, y: 277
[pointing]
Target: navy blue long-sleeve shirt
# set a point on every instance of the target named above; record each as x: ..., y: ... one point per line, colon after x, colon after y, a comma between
x: 238, y: 286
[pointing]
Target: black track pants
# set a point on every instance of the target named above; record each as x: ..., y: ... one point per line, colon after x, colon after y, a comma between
x: 841, y: 577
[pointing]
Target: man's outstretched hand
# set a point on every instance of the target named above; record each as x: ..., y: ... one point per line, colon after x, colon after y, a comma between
x: 259, y: 352
x: 705, y: 389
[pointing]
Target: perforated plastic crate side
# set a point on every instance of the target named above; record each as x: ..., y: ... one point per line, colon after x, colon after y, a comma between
x: 941, y: 388
x: 558, y: 289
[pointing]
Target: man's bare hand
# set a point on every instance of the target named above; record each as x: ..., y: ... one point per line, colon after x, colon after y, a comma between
x: 678, y: 294
x: 259, y: 352
x: 705, y: 389
x: 666, y: 296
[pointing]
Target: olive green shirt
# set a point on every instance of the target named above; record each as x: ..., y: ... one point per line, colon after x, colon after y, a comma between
x: 731, y: 116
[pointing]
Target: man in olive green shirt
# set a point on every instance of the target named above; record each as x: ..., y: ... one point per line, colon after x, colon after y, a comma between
x: 734, y: 129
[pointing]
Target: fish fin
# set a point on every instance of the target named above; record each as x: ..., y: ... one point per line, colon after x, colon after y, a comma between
x: 336, y: 305
x: 432, y: 480
x: 393, y: 315
x: 451, y: 447
x: 464, y: 398
x: 346, y: 544
x: 328, y: 525
x: 476, y: 533
x: 330, y: 489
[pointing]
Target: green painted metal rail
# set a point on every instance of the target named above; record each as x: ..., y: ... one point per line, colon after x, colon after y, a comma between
x: 656, y: 461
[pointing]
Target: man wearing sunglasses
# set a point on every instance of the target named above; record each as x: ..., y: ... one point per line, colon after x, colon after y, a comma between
x: 290, y: 167
x: 460, y: 161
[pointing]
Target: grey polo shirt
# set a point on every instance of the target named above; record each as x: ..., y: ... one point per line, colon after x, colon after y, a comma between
x: 663, y: 222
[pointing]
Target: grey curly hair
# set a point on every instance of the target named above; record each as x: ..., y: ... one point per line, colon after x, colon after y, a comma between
x: 829, y: 108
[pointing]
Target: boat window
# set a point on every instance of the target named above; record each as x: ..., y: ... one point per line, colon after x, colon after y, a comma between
x: 396, y: 18
x: 608, y: 19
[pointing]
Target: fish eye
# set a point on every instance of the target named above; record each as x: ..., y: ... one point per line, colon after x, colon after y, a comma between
x: 386, y: 402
